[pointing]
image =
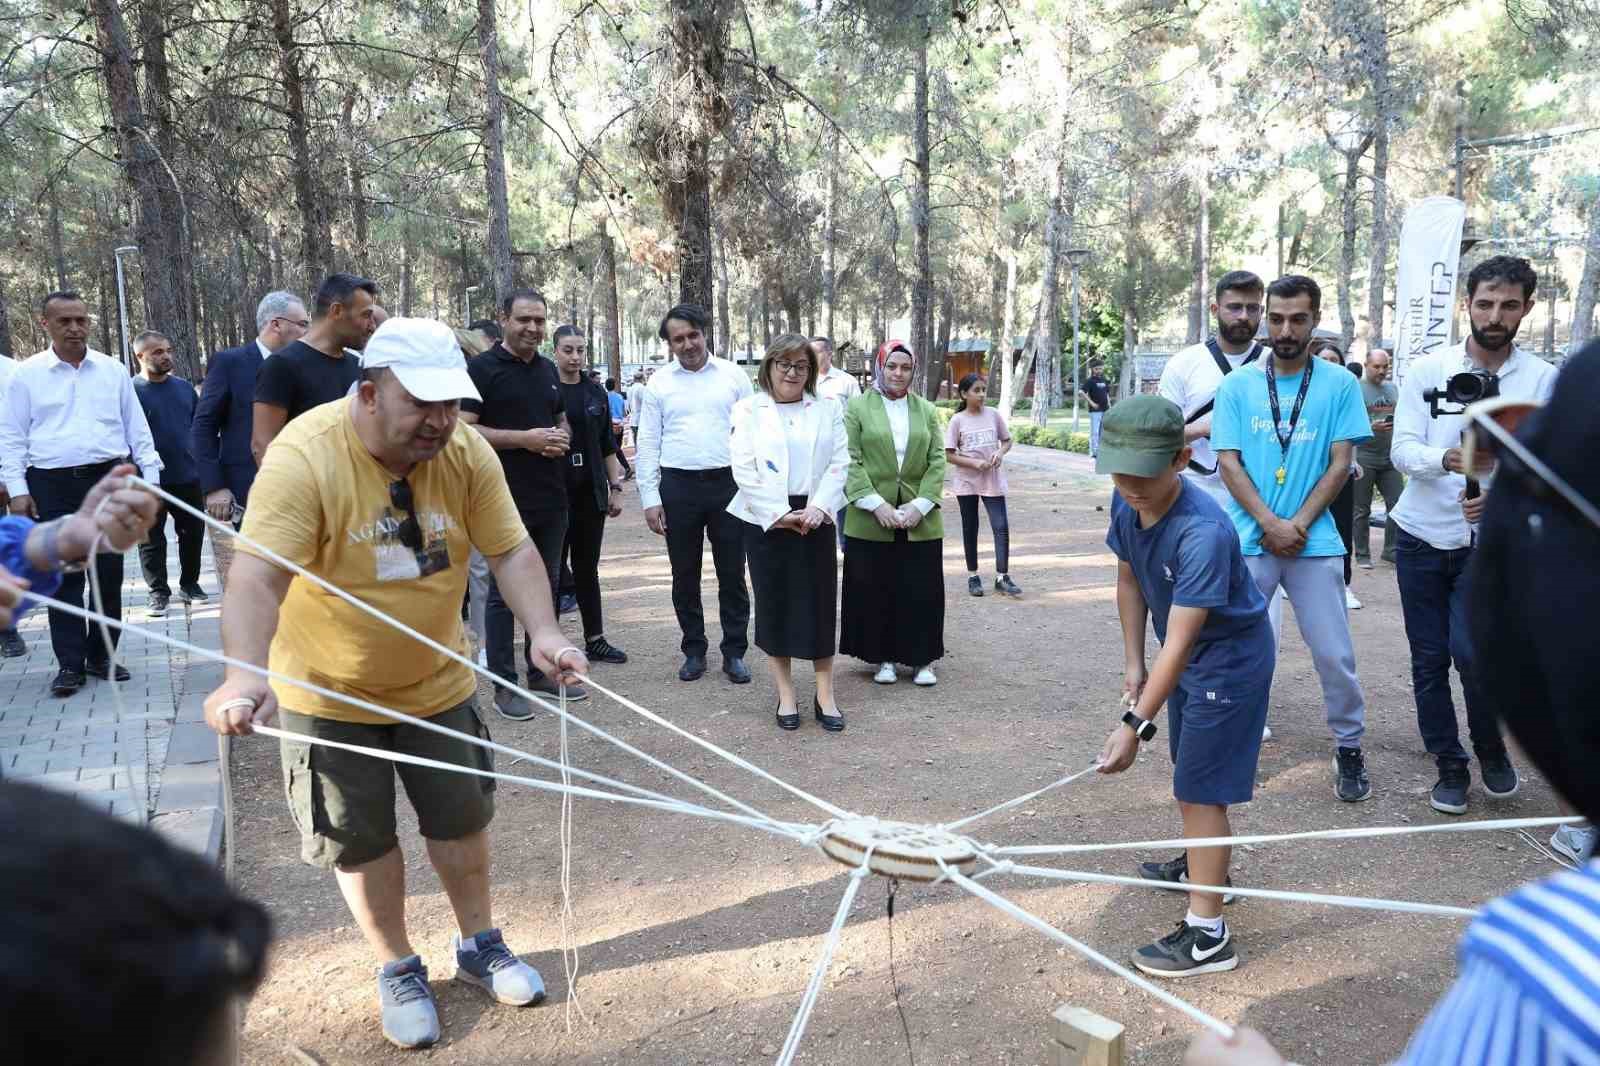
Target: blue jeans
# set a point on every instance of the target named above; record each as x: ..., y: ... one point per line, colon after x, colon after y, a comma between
x: 1094, y: 431
x: 1433, y: 598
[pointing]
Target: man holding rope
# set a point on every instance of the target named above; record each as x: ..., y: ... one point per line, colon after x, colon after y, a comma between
x: 379, y: 495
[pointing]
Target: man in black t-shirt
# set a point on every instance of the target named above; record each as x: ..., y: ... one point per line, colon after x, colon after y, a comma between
x: 522, y: 416
x: 316, y: 369
x: 1099, y: 403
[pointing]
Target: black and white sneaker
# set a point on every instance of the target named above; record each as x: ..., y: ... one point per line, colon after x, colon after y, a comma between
x: 1350, y: 775
x: 1500, y: 778
x: 1449, y: 793
x: 1176, y: 871
x: 1188, y: 951
x: 159, y: 602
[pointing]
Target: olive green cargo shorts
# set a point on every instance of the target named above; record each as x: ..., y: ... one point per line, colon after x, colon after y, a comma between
x: 343, y: 802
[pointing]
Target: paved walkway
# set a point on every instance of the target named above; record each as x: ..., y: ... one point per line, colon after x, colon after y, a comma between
x: 160, y: 763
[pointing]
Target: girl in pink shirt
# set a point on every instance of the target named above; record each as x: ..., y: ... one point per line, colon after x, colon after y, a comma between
x: 974, y: 446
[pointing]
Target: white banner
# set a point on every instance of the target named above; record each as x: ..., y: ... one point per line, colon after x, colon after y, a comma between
x: 1425, y: 281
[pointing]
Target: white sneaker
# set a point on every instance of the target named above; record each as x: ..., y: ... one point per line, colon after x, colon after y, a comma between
x: 886, y: 675
x: 1576, y: 842
x: 1350, y: 601
x: 925, y: 677
x: 483, y: 658
x: 1266, y: 732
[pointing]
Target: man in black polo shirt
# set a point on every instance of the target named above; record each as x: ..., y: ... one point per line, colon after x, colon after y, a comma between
x: 318, y: 368
x: 522, y: 417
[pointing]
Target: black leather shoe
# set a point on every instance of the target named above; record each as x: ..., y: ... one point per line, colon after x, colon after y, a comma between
x: 833, y: 723
x: 12, y: 646
x: 103, y: 671
x: 693, y: 668
x: 66, y: 682
x: 736, y: 670
x: 790, y: 722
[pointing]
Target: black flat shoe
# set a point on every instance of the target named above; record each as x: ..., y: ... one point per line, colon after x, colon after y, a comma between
x: 833, y: 723
x: 103, y: 671
x: 693, y: 668
x: 66, y: 682
x: 789, y: 722
x: 736, y: 670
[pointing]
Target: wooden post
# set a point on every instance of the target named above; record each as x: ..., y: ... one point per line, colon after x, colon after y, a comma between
x: 1080, y: 1037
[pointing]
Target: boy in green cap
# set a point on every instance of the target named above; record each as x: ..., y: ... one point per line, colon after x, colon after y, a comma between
x: 1180, y: 564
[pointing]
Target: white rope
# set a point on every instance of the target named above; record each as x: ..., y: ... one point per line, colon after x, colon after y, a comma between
x: 797, y: 1029
x: 1270, y: 838
x: 569, y: 944
x: 1357, y: 902
x: 644, y: 797
x: 1008, y: 804
x: 140, y: 805
x: 496, y: 679
x: 531, y: 782
x: 1005, y: 906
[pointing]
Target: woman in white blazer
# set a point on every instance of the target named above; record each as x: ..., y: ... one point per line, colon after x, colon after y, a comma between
x: 789, y: 461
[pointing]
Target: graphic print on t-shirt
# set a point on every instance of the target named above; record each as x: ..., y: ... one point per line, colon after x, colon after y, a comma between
x: 394, y: 561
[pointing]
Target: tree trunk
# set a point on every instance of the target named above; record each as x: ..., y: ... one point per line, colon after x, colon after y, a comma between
x: 830, y: 236
x: 922, y: 263
x: 5, y: 325
x: 941, y: 346
x: 494, y: 154
x: 1010, y: 387
x: 159, y: 235
x: 766, y: 318
x: 407, y: 280
x: 109, y: 309
x: 1378, y: 259
x: 724, y: 326
x: 58, y: 254
x: 1043, y: 342
x: 790, y: 301
x: 613, y: 306
x: 1588, y: 283
x: 1347, y: 246
x: 1200, y: 257
x: 355, y: 183
x: 316, y: 233
x: 1128, y: 381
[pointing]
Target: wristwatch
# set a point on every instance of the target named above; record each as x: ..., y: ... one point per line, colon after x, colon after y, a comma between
x: 1144, y: 730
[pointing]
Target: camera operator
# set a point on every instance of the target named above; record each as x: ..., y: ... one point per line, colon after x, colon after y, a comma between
x: 1438, y: 513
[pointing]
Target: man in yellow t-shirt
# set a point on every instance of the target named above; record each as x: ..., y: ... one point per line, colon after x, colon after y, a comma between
x: 378, y: 494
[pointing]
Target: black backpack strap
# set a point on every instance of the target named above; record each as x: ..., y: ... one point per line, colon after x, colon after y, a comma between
x: 1227, y: 368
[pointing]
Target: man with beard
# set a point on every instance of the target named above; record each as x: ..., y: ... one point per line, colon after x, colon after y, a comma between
x: 522, y: 416
x: 1437, y: 518
x: 320, y: 367
x: 1191, y: 377
x: 1285, y: 432
x: 1378, y: 470
x: 169, y: 404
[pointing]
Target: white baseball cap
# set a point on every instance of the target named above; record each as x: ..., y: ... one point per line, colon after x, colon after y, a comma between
x: 425, y: 355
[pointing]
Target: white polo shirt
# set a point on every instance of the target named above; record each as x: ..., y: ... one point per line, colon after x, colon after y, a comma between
x: 1430, y: 507
x: 838, y: 385
x: 1190, y: 379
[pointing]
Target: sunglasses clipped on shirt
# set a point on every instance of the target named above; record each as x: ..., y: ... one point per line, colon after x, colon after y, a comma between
x: 410, y: 531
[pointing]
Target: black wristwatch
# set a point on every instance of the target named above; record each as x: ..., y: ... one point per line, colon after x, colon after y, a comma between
x: 1145, y: 731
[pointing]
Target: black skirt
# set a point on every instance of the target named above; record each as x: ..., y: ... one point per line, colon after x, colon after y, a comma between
x: 893, y: 600
x: 793, y: 578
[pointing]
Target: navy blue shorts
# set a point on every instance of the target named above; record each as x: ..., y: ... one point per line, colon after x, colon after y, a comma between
x: 1215, y: 743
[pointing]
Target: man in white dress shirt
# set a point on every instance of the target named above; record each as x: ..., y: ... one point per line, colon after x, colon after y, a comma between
x: 1437, y: 525
x: 834, y: 384
x: 686, y: 483
x: 70, y: 415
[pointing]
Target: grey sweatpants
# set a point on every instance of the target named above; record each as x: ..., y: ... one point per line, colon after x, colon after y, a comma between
x: 1315, y: 586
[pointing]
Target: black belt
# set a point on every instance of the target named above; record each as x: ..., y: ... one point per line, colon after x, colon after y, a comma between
x: 88, y: 470
x: 714, y: 474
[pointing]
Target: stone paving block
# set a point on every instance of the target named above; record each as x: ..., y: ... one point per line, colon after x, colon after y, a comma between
x: 191, y: 743
x: 189, y: 787
x: 28, y: 766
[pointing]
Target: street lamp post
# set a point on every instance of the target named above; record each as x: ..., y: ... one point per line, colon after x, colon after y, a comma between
x: 1076, y: 257
x: 122, y: 300
x: 467, y: 315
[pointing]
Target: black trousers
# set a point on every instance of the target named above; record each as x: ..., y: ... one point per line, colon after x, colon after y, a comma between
x: 586, y: 529
x: 546, y: 529
x: 695, y: 503
x: 191, y: 538
x: 998, y: 525
x: 57, y: 493
x: 1343, y: 508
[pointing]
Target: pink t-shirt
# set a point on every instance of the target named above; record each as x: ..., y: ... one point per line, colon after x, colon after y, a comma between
x: 977, y: 436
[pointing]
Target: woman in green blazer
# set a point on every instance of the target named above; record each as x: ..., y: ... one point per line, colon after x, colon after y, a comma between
x: 893, y: 610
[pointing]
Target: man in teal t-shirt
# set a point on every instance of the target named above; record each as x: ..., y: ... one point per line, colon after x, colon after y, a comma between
x: 1285, y: 435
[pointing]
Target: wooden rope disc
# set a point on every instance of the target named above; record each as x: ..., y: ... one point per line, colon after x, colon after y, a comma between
x: 899, y: 850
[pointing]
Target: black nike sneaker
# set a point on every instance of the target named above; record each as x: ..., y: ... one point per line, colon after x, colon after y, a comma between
x: 1176, y: 871
x: 1188, y: 951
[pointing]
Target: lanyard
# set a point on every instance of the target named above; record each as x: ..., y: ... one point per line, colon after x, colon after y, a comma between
x: 1285, y: 439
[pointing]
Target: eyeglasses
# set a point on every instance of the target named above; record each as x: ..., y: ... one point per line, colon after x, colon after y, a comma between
x: 303, y: 323
x: 800, y: 369
x: 410, y: 531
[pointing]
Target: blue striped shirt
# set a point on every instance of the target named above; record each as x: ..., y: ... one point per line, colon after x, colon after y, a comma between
x: 1529, y: 989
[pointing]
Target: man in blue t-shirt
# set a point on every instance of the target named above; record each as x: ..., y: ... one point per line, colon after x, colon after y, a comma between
x: 1180, y: 565
x: 1284, y: 432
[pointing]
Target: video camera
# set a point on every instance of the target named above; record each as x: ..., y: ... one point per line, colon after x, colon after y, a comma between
x: 1463, y: 389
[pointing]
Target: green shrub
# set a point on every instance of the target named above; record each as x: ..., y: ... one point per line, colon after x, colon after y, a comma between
x: 1045, y: 437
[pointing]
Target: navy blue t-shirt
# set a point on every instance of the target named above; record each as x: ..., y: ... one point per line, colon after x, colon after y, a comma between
x: 1191, y: 558
x: 169, y: 408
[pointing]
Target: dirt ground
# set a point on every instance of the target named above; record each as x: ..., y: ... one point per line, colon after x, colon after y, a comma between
x: 695, y: 939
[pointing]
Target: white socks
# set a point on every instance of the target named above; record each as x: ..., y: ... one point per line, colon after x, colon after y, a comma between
x: 1213, y: 926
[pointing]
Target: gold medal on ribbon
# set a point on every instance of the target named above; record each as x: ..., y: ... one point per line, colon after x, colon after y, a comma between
x: 1282, y: 474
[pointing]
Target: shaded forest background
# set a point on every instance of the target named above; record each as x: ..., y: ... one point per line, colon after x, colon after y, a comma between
x: 848, y: 167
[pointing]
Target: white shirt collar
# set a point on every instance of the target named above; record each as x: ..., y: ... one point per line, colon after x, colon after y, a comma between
x: 265, y: 351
